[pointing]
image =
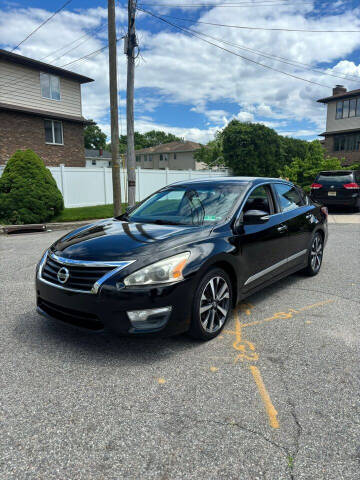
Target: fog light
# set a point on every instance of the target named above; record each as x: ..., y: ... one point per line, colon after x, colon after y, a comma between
x: 150, y: 319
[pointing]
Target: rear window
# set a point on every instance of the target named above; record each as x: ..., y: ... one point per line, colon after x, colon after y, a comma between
x: 334, y: 178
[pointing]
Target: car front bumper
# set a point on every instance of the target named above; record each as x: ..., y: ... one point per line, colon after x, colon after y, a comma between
x: 107, y: 310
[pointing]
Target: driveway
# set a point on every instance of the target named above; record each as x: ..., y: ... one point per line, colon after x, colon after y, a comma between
x: 276, y: 396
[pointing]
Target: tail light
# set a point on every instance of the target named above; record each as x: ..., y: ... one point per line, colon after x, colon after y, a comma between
x: 324, y: 211
x: 316, y: 186
x: 351, y: 186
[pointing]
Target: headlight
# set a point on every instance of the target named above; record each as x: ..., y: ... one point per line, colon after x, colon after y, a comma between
x: 165, y: 271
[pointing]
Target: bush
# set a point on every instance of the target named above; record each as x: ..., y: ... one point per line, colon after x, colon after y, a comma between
x: 304, y: 170
x: 28, y: 192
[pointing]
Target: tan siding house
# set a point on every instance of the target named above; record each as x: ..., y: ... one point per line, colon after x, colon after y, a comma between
x: 40, y: 109
x: 342, y: 135
x: 173, y: 155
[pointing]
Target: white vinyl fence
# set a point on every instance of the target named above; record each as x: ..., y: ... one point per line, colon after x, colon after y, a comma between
x: 82, y: 187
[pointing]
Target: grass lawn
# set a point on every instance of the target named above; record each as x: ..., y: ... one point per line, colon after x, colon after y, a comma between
x: 85, y: 213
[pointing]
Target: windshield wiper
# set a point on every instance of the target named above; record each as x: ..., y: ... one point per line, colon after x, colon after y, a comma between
x: 166, y: 222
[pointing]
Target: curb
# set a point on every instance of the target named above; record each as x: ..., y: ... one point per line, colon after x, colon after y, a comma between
x: 8, y: 229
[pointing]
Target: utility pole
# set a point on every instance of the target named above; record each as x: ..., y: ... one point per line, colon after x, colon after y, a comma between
x: 114, y: 109
x: 130, y: 45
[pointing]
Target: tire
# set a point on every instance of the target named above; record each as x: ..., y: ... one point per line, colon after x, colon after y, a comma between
x: 214, y: 296
x: 315, y: 255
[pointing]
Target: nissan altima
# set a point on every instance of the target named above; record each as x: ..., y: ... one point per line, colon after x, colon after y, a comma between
x: 182, y: 258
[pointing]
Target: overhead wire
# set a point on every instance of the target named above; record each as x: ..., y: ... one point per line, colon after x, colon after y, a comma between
x: 261, y: 3
x: 276, y: 29
x: 41, y: 25
x: 287, y: 61
x: 231, y: 52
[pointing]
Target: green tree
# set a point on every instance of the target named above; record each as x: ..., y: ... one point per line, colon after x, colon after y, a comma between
x: 292, y: 148
x: 148, y: 139
x: 28, y: 192
x: 212, y: 153
x: 302, y: 171
x: 251, y: 149
x: 94, y: 137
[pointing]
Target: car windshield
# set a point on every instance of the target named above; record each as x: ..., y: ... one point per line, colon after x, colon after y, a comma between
x: 195, y: 204
x: 333, y: 178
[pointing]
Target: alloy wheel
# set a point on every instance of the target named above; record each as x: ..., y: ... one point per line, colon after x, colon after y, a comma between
x: 316, y: 253
x: 214, y: 304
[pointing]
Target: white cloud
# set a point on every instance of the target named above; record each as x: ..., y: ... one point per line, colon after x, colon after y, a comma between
x: 182, y: 69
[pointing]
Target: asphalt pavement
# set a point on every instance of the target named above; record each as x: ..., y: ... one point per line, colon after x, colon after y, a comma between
x: 276, y: 396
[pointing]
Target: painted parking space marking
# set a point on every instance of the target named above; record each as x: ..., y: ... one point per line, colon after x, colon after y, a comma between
x: 246, y: 350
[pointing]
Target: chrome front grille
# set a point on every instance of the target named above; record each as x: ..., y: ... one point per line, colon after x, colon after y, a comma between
x: 76, y: 275
x: 80, y: 278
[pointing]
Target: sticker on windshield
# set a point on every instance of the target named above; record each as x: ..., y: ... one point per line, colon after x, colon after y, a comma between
x: 210, y: 218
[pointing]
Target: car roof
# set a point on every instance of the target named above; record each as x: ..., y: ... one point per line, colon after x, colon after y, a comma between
x: 337, y: 172
x: 214, y: 180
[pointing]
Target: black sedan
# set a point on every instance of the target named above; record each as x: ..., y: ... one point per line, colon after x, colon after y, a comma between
x: 181, y: 259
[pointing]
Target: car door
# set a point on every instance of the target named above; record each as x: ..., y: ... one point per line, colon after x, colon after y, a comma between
x: 299, y: 220
x: 263, y: 247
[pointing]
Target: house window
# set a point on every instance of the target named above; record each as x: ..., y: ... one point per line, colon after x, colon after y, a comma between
x: 93, y: 162
x: 150, y: 158
x: 50, y: 86
x: 352, y: 111
x: 53, y: 132
x: 174, y: 156
x: 161, y: 157
x: 349, y: 143
x: 138, y: 158
x: 348, y: 108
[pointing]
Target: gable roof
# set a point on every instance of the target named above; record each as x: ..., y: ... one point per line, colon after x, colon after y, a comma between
x: 171, y: 147
x: 44, y: 67
x: 94, y: 153
x: 340, y: 96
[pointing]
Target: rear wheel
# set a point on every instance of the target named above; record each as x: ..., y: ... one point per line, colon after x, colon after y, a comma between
x: 315, y: 255
x: 211, y: 305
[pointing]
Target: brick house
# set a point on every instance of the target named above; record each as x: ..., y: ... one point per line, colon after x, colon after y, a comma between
x: 342, y: 136
x: 40, y: 109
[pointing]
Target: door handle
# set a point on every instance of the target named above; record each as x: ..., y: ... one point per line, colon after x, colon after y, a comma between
x: 282, y: 228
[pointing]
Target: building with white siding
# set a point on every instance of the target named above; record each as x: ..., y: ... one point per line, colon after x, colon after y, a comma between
x: 40, y: 109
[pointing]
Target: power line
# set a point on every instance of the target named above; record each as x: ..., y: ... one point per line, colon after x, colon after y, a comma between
x: 86, y: 57
x: 89, y: 34
x: 41, y: 25
x: 287, y: 61
x: 194, y: 20
x: 230, y: 51
x: 219, y: 5
x: 77, y: 46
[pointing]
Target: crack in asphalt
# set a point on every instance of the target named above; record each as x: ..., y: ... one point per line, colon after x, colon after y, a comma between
x: 327, y: 293
x: 292, y: 453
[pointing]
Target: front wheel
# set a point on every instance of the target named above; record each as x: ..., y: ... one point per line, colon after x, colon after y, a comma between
x: 315, y: 255
x: 211, y: 305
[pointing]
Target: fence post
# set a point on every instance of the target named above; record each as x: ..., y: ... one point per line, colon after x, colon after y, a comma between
x: 63, y: 183
x: 138, y: 183
x: 166, y: 176
x: 104, y: 177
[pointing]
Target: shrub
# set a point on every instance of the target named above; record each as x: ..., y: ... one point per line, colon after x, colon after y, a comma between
x: 28, y: 192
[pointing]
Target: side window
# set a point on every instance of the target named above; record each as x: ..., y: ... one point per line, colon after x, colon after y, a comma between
x: 260, y: 199
x: 289, y: 197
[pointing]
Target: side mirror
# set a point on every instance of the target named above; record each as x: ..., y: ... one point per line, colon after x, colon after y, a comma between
x: 255, y: 217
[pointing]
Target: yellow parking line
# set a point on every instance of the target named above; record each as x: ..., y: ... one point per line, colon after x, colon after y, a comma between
x: 269, y: 407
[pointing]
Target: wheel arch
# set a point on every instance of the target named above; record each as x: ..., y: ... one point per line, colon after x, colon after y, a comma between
x: 228, y: 267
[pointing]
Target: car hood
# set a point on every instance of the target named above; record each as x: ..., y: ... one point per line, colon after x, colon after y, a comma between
x: 114, y: 240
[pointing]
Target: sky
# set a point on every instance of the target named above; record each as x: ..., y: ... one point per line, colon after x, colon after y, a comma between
x: 188, y: 87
